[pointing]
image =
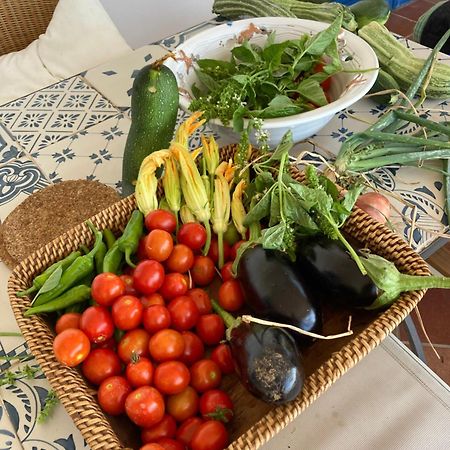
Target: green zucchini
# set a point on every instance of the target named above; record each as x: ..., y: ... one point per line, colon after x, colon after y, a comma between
x: 324, y: 12
x: 400, y: 62
x: 154, y: 108
x: 366, y: 11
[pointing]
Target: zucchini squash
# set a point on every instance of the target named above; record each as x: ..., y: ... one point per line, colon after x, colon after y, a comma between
x: 154, y: 108
x: 400, y: 62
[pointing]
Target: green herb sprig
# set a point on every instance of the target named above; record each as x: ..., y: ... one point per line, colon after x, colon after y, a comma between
x: 51, y: 400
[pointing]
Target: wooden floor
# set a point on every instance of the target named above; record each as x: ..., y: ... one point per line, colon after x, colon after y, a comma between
x: 435, y: 306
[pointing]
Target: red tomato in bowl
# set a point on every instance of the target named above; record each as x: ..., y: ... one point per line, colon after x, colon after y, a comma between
x: 193, y: 235
x: 160, y: 219
x: 112, y: 394
x: 97, y: 323
x: 106, y: 287
x: 71, y: 347
x: 127, y: 312
x: 100, y: 364
x: 210, y: 435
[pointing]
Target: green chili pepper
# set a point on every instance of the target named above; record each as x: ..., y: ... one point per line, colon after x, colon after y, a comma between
x: 109, y: 237
x: 99, y: 257
x: 73, y: 296
x: 113, y: 259
x: 84, y: 249
x: 80, y: 268
x: 39, y: 281
x: 129, y: 241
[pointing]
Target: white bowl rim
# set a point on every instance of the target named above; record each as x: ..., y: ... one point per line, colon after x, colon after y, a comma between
x: 308, y: 116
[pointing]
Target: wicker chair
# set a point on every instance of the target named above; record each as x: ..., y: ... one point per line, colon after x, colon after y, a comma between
x: 22, y: 21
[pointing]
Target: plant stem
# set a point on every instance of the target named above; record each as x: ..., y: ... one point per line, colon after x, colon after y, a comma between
x: 351, y: 250
x: 435, y: 126
x: 228, y: 319
x: 220, y: 249
x: 398, y: 138
x: 208, y: 237
x: 10, y: 334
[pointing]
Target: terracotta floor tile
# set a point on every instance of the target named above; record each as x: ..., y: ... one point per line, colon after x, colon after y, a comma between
x: 414, y: 10
x: 435, y: 311
x: 400, y: 25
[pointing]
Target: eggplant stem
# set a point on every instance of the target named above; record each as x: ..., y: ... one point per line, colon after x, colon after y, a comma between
x: 249, y: 319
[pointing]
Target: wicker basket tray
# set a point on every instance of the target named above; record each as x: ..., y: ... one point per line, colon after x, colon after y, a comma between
x: 255, y: 422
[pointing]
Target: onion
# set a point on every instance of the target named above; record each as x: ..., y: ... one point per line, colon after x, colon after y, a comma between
x: 376, y: 205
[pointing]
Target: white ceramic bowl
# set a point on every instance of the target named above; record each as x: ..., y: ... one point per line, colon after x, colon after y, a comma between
x: 346, y: 88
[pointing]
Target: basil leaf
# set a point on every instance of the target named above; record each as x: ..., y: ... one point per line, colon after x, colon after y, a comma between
x: 260, y: 210
x: 280, y: 106
x: 311, y: 90
x: 209, y: 82
x: 272, y: 54
x: 263, y: 181
x: 275, y: 215
x: 321, y: 41
x: 216, y: 65
x: 245, y: 53
x: 241, y: 79
x: 283, y: 147
x: 294, y: 212
x: 238, y: 119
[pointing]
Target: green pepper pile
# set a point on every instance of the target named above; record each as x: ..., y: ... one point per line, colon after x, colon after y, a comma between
x: 66, y: 284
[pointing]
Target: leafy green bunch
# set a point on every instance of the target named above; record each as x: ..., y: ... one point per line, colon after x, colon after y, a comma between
x: 276, y: 80
x: 290, y: 209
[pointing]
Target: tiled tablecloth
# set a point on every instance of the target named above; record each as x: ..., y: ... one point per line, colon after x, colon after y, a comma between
x: 77, y: 129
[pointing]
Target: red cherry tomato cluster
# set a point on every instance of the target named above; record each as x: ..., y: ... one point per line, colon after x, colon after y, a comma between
x: 144, y: 343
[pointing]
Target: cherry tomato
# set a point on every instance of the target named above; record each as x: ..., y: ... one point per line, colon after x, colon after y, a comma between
x: 201, y: 299
x: 152, y: 446
x: 71, y: 347
x: 210, y: 329
x: 97, y: 323
x: 158, y: 245
x: 193, y: 348
x: 134, y: 343
x: 227, y: 271
x: 187, y: 429
x: 230, y: 296
x: 175, y: 284
x: 193, y: 235
x: 106, y: 287
x: 110, y: 344
x: 171, y: 377
x: 205, y: 375
x: 66, y: 321
x: 166, y: 345
x: 167, y: 427
x: 127, y: 312
x: 160, y: 219
x: 152, y: 299
x: 234, y: 249
x: 183, y: 405
x: 203, y: 271
x: 183, y: 313
x: 148, y: 276
x: 145, y: 406
x: 141, y: 254
x: 129, y: 286
x: 216, y: 404
x: 214, y: 250
x: 156, y: 318
x: 170, y: 444
x: 211, y: 435
x: 140, y: 373
x: 223, y: 357
x: 181, y: 259
x: 112, y: 394
x: 100, y: 364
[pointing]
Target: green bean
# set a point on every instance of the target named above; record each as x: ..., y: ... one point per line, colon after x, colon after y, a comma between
x: 71, y: 297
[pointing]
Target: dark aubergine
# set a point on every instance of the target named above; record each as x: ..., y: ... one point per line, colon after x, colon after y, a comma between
x: 276, y: 290
x: 332, y: 275
x: 268, y: 362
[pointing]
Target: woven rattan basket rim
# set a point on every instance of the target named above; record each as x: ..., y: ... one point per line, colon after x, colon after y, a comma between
x: 77, y: 397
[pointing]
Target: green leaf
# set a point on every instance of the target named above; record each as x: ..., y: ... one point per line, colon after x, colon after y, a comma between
x: 321, y: 41
x: 241, y: 79
x: 294, y: 212
x: 273, y: 237
x: 273, y: 53
x: 275, y: 215
x: 329, y: 187
x: 263, y: 181
x: 238, y: 119
x: 280, y: 106
x: 260, y: 210
x: 283, y: 148
x: 245, y: 53
x: 209, y: 82
x: 51, y: 282
x: 224, y: 67
x: 311, y: 90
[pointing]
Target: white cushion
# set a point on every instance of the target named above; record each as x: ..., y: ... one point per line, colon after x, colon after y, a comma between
x: 80, y: 36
